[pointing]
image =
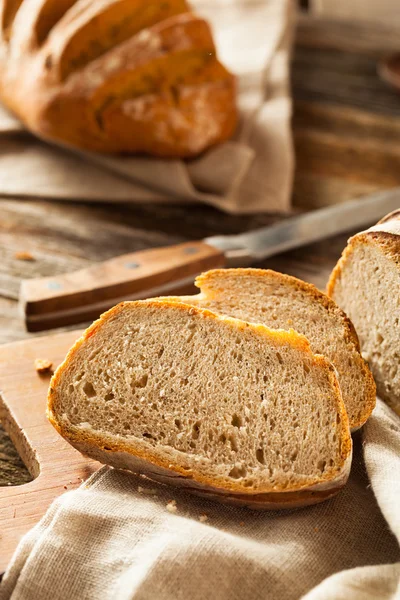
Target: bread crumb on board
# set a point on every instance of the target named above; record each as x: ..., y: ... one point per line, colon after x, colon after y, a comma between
x: 171, y: 506
x: 147, y: 491
x: 43, y: 365
x: 203, y: 518
x: 23, y: 255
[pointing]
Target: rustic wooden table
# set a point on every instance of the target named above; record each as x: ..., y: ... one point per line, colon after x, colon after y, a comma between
x: 347, y: 139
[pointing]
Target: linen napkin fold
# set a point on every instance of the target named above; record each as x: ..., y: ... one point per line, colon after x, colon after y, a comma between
x: 120, y: 537
x: 251, y: 173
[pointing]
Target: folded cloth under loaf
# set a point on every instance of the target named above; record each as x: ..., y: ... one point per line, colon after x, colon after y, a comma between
x: 251, y: 173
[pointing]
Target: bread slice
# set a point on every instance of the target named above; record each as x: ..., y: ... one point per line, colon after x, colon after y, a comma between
x: 366, y: 284
x: 228, y: 409
x: 281, y: 301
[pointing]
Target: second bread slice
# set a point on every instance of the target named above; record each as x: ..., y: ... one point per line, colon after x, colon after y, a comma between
x: 280, y: 301
x: 228, y: 409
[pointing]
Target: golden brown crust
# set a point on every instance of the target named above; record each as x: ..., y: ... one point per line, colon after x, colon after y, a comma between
x: 325, y: 301
x: 394, y: 215
x: 308, y: 288
x: 105, y: 449
x: 279, y: 500
x: 116, y: 76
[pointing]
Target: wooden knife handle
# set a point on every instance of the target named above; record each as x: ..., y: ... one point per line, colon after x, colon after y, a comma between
x: 82, y: 295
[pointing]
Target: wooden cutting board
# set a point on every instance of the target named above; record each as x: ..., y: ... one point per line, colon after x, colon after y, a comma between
x: 54, y: 464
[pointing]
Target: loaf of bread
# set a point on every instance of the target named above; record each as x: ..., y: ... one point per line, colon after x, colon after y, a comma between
x: 230, y: 410
x: 281, y: 301
x: 122, y: 76
x: 366, y: 284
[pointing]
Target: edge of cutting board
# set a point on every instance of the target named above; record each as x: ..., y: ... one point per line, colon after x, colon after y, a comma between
x: 54, y: 464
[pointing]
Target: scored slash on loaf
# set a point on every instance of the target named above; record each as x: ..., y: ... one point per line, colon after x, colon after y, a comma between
x: 230, y: 410
x: 131, y: 76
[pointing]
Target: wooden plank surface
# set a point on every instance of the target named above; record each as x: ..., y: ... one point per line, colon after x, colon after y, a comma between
x: 346, y: 132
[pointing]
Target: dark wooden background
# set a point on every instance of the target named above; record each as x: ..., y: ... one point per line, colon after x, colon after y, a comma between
x: 347, y: 138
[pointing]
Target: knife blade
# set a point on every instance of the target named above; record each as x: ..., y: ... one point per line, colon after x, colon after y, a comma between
x: 83, y: 295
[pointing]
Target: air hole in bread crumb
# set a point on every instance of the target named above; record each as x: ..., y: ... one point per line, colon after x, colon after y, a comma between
x: 178, y: 424
x: 293, y: 456
x: 249, y: 483
x: 70, y: 388
x: 141, y: 382
x: 196, y: 430
x: 109, y: 396
x: 236, y: 420
x: 222, y: 438
x: 238, y: 472
x: 260, y: 456
x: 306, y: 368
x: 233, y: 443
x: 147, y: 435
x: 279, y: 357
x: 160, y: 352
x: 89, y: 390
x: 321, y: 465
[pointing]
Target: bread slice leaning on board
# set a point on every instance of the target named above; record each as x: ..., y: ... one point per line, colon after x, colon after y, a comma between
x: 366, y: 284
x: 227, y: 409
x: 131, y: 76
x: 283, y: 302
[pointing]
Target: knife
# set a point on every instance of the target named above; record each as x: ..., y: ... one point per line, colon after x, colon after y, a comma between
x: 83, y: 295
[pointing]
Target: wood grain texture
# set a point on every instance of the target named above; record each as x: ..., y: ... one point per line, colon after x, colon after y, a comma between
x: 85, y: 294
x: 345, y: 119
x: 52, y: 463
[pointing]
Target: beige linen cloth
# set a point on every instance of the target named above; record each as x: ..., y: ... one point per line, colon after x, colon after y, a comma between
x: 251, y: 173
x: 115, y: 539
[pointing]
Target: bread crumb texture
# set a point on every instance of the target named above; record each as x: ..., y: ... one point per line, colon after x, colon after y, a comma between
x: 212, y: 399
x: 281, y: 301
x: 366, y: 284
